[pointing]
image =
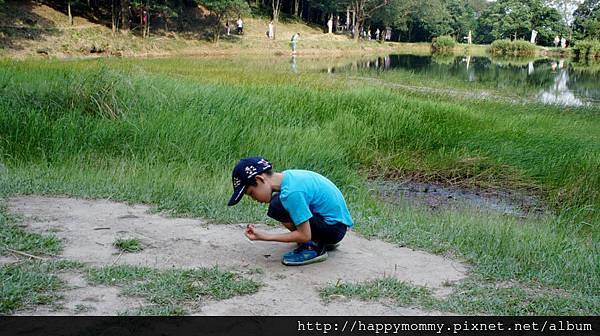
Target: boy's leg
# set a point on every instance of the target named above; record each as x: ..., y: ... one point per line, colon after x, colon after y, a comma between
x: 326, y: 235
x: 306, y: 253
x: 321, y: 232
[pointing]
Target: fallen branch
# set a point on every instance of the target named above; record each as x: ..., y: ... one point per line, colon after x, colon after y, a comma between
x: 117, y: 259
x: 24, y: 254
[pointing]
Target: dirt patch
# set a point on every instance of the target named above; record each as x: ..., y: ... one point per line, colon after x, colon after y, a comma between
x: 89, y: 227
x: 435, y: 195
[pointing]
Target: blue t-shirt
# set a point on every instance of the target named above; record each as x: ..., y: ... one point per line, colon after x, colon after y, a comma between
x: 304, y: 193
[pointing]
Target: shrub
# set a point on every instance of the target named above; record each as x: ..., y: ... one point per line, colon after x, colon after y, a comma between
x: 443, y: 44
x: 587, y: 50
x: 513, y: 48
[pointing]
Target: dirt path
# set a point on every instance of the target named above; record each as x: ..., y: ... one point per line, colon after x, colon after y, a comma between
x: 88, y: 228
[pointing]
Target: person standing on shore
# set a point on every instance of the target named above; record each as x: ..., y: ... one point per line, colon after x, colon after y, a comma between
x: 240, y: 26
x: 271, y: 31
x: 294, y: 42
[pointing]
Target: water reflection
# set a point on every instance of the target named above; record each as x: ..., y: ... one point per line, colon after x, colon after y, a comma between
x: 544, y: 80
x: 294, y: 64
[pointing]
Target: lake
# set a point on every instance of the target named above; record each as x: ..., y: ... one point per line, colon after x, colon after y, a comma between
x: 549, y: 81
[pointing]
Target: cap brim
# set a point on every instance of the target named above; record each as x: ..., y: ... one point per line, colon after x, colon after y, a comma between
x: 237, y: 195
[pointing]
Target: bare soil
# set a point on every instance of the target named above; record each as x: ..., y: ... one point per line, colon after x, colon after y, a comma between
x: 88, y: 228
x: 438, y: 195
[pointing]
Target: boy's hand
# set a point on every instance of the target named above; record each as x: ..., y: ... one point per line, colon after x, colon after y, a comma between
x: 251, y: 233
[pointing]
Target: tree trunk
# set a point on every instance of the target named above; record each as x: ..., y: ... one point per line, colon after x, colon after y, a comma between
x: 114, y: 16
x: 276, y: 6
x: 296, y: 6
x: 148, y: 24
x: 142, y: 30
x: 70, y: 15
x: 124, y: 16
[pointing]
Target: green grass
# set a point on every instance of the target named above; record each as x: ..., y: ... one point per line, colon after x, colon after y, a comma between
x: 168, y: 291
x: 128, y: 245
x: 28, y: 284
x: 156, y: 310
x: 167, y: 132
x: 401, y: 293
x: 469, y: 298
x: 14, y: 237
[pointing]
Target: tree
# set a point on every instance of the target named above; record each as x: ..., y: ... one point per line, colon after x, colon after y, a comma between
x: 125, y: 16
x: 515, y: 19
x: 276, y: 8
x: 396, y: 14
x: 428, y: 19
x: 69, y: 13
x: 364, y: 9
x: 586, y: 23
x: 565, y: 8
x: 463, y: 18
x: 221, y: 9
x: 548, y: 22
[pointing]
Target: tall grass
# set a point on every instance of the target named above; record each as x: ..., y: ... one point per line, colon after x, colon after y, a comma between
x: 443, y: 45
x: 54, y: 115
x: 167, y: 132
x: 587, y: 50
x: 513, y: 48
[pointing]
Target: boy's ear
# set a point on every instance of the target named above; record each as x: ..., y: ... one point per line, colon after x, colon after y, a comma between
x: 260, y: 178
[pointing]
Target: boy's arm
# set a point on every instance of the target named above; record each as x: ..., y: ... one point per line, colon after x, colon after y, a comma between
x: 301, y: 235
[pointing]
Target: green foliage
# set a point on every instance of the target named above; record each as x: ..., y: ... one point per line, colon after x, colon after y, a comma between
x: 443, y: 44
x: 170, y: 289
x: 402, y: 293
x: 221, y: 9
x: 515, y: 19
x: 587, y: 50
x: 15, y: 238
x: 471, y: 297
x: 586, y: 23
x: 464, y: 17
x: 31, y: 283
x: 513, y: 48
x: 128, y: 245
x: 156, y: 310
x: 186, y: 121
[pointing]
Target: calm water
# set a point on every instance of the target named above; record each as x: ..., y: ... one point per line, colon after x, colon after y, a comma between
x: 545, y: 80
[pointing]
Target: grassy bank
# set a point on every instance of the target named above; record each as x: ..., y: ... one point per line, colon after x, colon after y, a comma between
x: 167, y: 132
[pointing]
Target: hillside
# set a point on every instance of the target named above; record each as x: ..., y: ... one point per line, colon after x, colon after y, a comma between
x: 28, y: 28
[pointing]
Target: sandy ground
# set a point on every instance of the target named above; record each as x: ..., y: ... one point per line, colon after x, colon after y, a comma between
x: 88, y: 228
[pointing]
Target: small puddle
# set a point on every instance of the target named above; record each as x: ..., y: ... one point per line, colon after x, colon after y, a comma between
x: 438, y: 196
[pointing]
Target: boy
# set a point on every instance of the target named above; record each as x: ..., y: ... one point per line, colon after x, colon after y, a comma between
x: 310, y: 206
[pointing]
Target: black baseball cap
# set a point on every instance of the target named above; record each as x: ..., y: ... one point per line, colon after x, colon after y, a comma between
x: 244, y: 173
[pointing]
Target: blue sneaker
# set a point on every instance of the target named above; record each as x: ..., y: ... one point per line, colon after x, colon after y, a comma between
x: 305, y: 254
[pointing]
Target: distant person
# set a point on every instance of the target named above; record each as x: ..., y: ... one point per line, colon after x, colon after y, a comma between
x: 369, y: 34
x: 227, y: 28
x: 271, y: 31
x: 294, y: 42
x: 330, y: 25
x: 306, y: 203
x: 556, y: 41
x: 240, y: 26
x: 563, y: 42
x: 377, y: 34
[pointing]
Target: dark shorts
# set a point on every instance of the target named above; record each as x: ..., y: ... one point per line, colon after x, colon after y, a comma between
x: 321, y: 232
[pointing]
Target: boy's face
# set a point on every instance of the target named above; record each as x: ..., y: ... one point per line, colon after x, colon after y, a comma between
x: 261, y: 192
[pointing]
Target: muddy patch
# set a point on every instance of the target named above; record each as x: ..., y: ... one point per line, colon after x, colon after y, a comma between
x: 88, y: 228
x: 438, y: 196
